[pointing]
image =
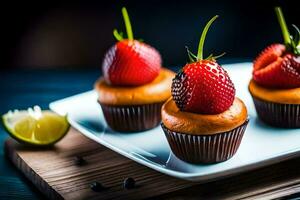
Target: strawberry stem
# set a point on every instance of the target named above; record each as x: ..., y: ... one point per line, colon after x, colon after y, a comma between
x: 283, y: 26
x: 202, y: 38
x: 127, y: 23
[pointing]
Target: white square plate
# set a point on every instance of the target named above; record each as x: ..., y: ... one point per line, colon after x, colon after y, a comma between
x: 262, y: 145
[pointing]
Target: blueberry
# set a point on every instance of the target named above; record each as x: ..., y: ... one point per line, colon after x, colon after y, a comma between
x: 96, y: 187
x: 79, y: 160
x: 129, y: 183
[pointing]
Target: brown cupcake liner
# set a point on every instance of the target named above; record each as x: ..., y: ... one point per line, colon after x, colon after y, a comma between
x: 278, y: 115
x: 132, y: 118
x: 205, y: 148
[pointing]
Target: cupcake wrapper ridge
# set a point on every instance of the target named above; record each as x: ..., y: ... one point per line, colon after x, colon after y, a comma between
x: 278, y: 115
x: 132, y: 118
x: 205, y: 148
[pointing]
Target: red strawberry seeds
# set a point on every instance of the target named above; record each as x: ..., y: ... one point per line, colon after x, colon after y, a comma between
x: 131, y: 63
x: 203, y: 87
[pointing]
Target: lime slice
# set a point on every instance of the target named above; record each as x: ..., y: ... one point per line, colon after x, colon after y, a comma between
x: 35, y: 127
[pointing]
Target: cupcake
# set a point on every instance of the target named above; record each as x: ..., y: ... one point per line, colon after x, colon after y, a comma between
x: 275, y: 85
x: 132, y: 109
x: 134, y: 85
x: 203, y: 120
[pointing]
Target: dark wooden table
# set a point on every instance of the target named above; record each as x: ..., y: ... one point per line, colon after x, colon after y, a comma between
x: 25, y: 88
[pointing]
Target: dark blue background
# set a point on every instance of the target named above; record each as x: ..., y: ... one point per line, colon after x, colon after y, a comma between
x: 75, y: 34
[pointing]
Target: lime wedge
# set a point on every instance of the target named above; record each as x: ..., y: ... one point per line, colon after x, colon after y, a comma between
x: 35, y: 127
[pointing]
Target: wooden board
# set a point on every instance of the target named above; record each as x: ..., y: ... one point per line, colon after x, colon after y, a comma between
x: 54, y: 172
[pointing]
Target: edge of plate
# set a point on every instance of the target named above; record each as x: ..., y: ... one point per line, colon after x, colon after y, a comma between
x: 187, y: 176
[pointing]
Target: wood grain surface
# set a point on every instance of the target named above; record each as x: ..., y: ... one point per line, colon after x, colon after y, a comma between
x: 55, y: 173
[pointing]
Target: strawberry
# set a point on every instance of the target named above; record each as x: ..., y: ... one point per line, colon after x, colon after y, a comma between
x: 130, y: 62
x: 278, y: 66
x: 268, y: 55
x: 284, y: 72
x: 203, y: 86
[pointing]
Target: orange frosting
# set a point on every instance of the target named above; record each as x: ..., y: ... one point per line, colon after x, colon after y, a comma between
x: 203, y: 124
x: 283, y: 96
x: 156, y: 91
